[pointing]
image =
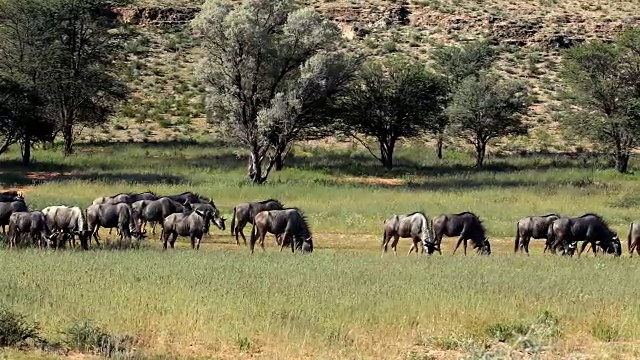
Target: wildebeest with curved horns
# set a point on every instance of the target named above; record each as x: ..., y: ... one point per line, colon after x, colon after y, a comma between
x: 414, y: 226
x: 288, y: 222
x: 8, y: 208
x: 210, y: 208
x: 119, y: 216
x: 244, y: 213
x: 467, y: 225
x: 589, y: 228
x: 155, y: 211
x: 32, y: 223
x: 10, y: 196
x: 71, y: 221
x: 193, y: 224
x: 536, y: 227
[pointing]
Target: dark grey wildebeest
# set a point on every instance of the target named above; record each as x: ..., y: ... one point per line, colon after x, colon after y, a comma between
x: 290, y: 223
x: 633, y: 238
x: 414, y: 226
x: 536, y: 227
x: 589, y: 228
x: 71, y: 222
x: 244, y: 214
x: 193, y: 224
x: 217, y: 220
x: 32, y: 223
x: 128, y: 198
x: 120, y: 216
x: 10, y: 196
x: 466, y: 225
x: 155, y: 211
x: 8, y: 208
x: 190, y: 197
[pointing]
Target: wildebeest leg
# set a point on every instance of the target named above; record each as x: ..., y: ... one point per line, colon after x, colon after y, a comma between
x: 193, y: 241
x: 173, y: 240
x: 283, y: 242
x: 464, y: 245
x: 525, y: 244
x: 394, y: 244
x: 95, y: 235
x: 458, y: 244
x: 239, y: 229
x: 153, y: 227
x: 635, y: 244
x: 415, y: 240
x: 385, y: 242
x: 262, y: 236
x: 584, y: 245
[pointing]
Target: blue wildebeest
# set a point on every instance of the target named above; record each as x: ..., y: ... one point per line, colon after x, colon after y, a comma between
x: 210, y: 208
x: 290, y: 223
x: 120, y: 216
x: 193, y: 224
x: 70, y: 221
x: 8, y: 208
x: 466, y: 225
x: 589, y: 228
x: 195, y: 198
x: 32, y: 223
x: 244, y: 214
x: 11, y: 196
x: 633, y: 238
x: 155, y: 211
x: 414, y: 226
x: 536, y: 227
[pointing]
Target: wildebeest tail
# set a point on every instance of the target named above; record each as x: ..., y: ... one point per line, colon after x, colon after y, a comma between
x: 233, y: 221
x: 517, y: 241
x: 628, y: 237
x: 551, y: 237
x: 254, y: 233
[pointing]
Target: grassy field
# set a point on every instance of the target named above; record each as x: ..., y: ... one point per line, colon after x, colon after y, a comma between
x: 343, y: 301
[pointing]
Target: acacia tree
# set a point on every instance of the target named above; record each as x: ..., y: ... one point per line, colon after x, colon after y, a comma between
x: 604, y: 93
x: 391, y: 101
x: 485, y: 108
x: 456, y: 63
x: 270, y: 68
x: 65, y: 49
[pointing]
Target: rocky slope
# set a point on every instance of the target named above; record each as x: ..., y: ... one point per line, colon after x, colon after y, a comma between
x: 531, y: 34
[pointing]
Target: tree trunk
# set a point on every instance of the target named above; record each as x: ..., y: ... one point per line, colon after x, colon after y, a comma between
x: 439, y: 146
x: 481, y: 149
x: 622, y: 161
x: 26, y: 151
x: 67, y: 134
x: 386, y: 154
x: 255, y: 167
x: 279, y: 161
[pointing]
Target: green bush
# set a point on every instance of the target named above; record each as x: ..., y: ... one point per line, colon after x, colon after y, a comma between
x: 15, y: 330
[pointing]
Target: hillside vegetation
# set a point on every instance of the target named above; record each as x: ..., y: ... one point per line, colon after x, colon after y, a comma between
x: 168, y: 101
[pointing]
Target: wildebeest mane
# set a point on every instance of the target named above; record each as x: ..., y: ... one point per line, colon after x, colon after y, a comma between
x: 465, y: 213
x: 270, y: 200
x: 596, y: 216
x: 418, y: 212
x: 552, y: 214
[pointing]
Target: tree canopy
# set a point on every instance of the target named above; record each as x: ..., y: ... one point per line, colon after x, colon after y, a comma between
x: 270, y: 68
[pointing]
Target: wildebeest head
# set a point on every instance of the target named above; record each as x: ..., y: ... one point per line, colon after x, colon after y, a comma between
x: 485, y: 247
x: 219, y: 221
x: 570, y: 249
x: 431, y: 247
x: 307, y: 245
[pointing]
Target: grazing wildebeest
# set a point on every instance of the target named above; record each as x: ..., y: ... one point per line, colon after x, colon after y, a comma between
x: 71, y: 222
x: 466, y: 225
x: 589, y: 228
x: 10, y: 196
x: 244, y: 213
x: 193, y: 224
x: 633, y: 238
x: 536, y: 227
x: 218, y: 220
x: 155, y: 211
x: 288, y: 222
x: 414, y: 226
x: 119, y: 216
x: 128, y: 198
x: 32, y: 223
x: 8, y: 208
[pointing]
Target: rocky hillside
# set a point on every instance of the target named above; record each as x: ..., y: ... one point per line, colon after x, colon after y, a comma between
x: 168, y: 100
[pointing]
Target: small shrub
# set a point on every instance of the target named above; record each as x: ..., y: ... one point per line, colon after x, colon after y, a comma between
x: 507, y: 331
x: 244, y: 344
x: 85, y: 336
x: 15, y: 330
x: 605, y: 332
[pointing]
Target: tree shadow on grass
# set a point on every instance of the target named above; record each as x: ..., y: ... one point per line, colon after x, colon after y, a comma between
x: 359, y: 164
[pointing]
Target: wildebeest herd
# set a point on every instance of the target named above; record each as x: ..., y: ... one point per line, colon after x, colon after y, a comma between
x: 190, y: 215
x: 187, y: 214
